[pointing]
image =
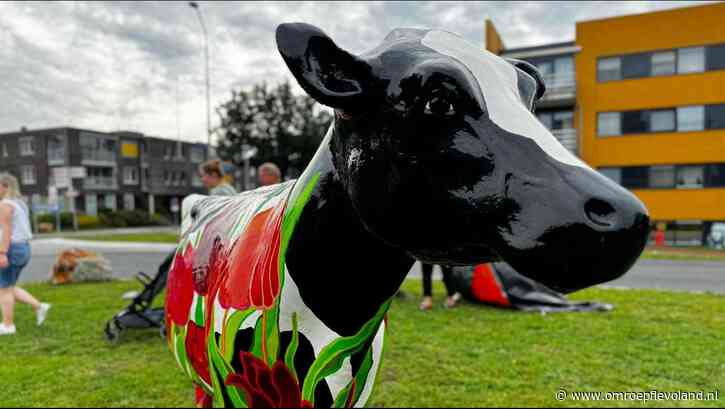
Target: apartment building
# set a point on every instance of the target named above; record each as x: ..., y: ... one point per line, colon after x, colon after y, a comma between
x: 646, y: 108
x: 115, y: 170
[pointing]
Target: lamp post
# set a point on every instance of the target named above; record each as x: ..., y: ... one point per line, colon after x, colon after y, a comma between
x: 195, y: 6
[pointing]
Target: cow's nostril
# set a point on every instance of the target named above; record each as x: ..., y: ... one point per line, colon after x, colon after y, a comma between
x: 600, y: 212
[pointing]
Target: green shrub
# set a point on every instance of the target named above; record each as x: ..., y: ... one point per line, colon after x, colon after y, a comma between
x: 112, y: 219
x: 159, y: 219
x: 88, y: 222
x: 135, y: 218
x: 66, y: 219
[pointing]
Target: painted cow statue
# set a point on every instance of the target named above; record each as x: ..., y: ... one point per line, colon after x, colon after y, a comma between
x: 277, y: 297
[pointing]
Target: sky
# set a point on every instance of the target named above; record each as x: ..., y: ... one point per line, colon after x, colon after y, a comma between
x: 139, y: 66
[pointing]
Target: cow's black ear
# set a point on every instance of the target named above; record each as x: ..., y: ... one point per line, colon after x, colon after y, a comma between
x: 533, y: 71
x: 328, y: 73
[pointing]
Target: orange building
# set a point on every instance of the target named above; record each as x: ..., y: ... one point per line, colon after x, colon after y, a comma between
x: 641, y: 98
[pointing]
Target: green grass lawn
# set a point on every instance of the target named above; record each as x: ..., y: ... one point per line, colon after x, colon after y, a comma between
x: 136, y: 237
x: 684, y: 254
x: 470, y: 356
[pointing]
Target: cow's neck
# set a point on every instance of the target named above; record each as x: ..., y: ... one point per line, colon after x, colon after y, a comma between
x: 344, y: 274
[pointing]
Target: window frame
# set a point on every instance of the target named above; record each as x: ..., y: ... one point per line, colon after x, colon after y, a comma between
x: 599, y: 120
x: 678, y: 121
x: 24, y: 180
x: 22, y: 147
x: 600, y: 60
x: 704, y: 60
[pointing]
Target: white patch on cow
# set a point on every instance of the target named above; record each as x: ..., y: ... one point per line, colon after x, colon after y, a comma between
x: 499, y: 85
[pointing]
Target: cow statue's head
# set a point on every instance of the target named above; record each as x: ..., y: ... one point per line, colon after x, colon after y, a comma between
x: 437, y: 145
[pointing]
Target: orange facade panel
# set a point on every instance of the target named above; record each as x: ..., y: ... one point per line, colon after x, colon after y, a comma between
x: 663, y: 30
x: 683, y: 204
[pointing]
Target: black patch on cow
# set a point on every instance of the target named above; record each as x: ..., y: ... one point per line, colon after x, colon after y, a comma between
x: 225, y: 396
x: 357, y: 358
x: 304, y: 357
x: 242, y: 342
x: 343, y: 289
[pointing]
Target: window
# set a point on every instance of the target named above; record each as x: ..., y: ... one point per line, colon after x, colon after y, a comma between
x: 26, y: 146
x: 636, y: 66
x: 545, y: 119
x: 91, y: 204
x: 635, y: 121
x: 197, y: 154
x: 545, y: 68
x: 716, y: 57
x: 110, y: 202
x: 56, y: 149
x: 635, y: 177
x: 182, y: 179
x: 169, y: 151
x: 690, y: 60
x: 179, y: 151
x: 609, y: 69
x: 662, y: 120
x: 129, y: 201
x: 715, y: 175
x: 715, y: 115
x: 130, y: 175
x: 5, y: 150
x: 609, y: 123
x: 97, y: 147
x: 663, y: 63
x: 563, y: 120
x: 100, y: 177
x: 614, y: 174
x: 662, y: 176
x: 167, y: 178
x: 27, y: 175
x: 691, y: 118
x: 564, y: 65
x: 690, y: 177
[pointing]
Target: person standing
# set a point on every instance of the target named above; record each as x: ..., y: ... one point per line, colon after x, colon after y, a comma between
x: 453, y: 296
x: 268, y: 174
x: 15, y: 234
x: 213, y: 175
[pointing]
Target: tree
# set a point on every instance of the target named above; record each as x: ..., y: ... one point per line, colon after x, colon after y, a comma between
x: 286, y: 129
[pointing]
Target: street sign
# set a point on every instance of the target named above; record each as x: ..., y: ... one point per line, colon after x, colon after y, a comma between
x: 78, y: 172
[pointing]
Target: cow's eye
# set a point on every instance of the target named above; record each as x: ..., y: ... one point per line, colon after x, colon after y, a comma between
x: 439, y: 106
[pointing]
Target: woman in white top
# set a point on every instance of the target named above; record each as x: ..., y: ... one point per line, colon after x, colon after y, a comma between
x: 15, y: 234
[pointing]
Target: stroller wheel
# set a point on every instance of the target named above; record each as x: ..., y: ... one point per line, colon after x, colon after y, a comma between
x: 113, y: 331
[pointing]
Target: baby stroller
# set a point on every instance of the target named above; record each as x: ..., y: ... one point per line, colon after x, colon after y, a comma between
x: 139, y: 314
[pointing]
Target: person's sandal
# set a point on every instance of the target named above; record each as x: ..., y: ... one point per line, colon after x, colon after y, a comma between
x: 452, y: 302
x: 426, y: 305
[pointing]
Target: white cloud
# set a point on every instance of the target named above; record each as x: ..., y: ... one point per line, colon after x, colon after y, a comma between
x: 115, y: 65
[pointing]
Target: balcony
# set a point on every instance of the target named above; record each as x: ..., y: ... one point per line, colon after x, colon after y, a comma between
x: 100, y: 183
x: 568, y: 138
x: 560, y: 86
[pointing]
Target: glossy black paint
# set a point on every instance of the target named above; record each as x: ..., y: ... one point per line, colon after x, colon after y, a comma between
x: 416, y: 169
